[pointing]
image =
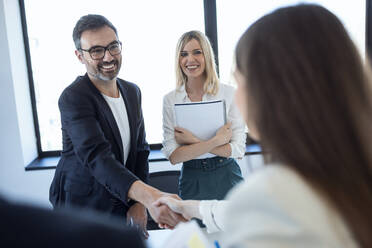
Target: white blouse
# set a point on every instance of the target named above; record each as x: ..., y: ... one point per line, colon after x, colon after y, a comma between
x: 226, y: 93
x: 273, y: 208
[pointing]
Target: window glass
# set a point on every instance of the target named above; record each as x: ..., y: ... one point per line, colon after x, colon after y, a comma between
x: 149, y: 31
x: 235, y: 16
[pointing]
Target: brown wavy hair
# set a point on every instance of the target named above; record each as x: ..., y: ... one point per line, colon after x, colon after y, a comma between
x: 310, y: 100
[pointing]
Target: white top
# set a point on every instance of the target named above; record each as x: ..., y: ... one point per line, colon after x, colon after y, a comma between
x: 119, y: 111
x: 275, y: 208
x: 226, y: 93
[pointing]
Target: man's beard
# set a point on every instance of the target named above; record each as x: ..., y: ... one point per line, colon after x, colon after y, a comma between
x: 105, y: 76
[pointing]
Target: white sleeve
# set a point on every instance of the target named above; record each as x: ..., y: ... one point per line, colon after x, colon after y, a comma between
x: 169, y: 142
x: 212, y: 212
x: 276, y: 210
x: 238, y: 138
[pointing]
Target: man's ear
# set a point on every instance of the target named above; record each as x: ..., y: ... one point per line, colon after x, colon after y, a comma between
x: 79, y: 55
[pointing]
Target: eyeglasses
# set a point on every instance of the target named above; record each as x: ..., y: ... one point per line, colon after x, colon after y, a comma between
x: 98, y: 52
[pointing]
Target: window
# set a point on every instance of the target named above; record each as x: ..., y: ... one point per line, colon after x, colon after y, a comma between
x: 234, y: 17
x: 149, y: 31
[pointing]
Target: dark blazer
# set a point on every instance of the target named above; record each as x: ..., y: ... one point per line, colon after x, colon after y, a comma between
x: 91, y: 172
x: 28, y: 226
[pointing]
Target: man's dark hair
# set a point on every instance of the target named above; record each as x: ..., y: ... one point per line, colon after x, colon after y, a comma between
x: 89, y: 22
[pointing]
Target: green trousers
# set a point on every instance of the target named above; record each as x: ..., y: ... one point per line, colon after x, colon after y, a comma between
x: 208, y: 179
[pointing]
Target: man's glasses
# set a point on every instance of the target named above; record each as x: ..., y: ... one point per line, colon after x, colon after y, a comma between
x: 98, y: 52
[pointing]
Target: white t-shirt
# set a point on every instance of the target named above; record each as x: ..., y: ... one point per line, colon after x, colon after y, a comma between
x: 226, y: 93
x: 119, y: 111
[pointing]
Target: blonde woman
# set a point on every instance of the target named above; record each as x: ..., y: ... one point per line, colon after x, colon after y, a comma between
x: 209, y: 168
x: 306, y: 97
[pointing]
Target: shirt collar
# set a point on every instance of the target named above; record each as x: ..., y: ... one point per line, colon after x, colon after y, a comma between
x: 182, y: 96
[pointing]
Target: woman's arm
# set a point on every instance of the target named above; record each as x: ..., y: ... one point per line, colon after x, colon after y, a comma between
x: 169, y: 142
x: 179, y: 144
x: 222, y: 151
x: 238, y: 138
x: 188, y: 209
x: 190, y: 151
x: 209, y: 211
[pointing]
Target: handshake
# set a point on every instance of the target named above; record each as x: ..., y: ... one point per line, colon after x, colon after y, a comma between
x: 187, y: 209
x: 166, y: 209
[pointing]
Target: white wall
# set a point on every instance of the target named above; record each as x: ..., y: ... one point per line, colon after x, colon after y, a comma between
x: 18, y: 142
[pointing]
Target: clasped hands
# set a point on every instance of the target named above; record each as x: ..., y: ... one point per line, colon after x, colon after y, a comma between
x: 188, y: 209
x: 163, y: 215
x: 168, y: 210
x: 160, y: 213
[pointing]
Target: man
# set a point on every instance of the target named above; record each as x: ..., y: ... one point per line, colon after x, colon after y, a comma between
x: 31, y: 226
x: 104, y: 162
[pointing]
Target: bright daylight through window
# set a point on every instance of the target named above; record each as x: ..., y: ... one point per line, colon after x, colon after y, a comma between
x: 233, y: 18
x: 149, y: 31
x: 149, y: 35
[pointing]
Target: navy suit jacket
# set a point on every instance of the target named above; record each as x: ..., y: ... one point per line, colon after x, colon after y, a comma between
x: 91, y: 172
x: 29, y: 226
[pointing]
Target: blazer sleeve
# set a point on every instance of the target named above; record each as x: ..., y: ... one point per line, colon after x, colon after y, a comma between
x: 143, y: 149
x: 91, y: 148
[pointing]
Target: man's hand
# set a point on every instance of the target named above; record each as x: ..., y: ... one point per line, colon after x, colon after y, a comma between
x: 137, y: 217
x: 188, y: 208
x: 147, y: 195
x: 184, y: 136
x: 163, y: 215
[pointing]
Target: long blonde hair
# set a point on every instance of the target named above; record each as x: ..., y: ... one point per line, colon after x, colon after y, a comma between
x: 211, y: 83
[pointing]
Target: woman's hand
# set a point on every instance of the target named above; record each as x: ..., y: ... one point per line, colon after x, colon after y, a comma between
x: 162, y: 214
x: 188, y: 209
x: 224, y: 134
x: 184, y: 136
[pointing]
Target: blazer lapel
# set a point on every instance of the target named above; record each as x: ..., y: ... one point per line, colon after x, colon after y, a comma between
x: 110, y: 119
x: 131, y: 116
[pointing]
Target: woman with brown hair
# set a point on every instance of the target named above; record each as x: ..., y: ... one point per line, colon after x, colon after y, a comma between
x: 305, y: 96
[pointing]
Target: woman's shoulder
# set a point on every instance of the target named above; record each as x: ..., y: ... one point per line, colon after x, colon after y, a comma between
x: 280, y: 196
x: 281, y: 183
x: 226, y: 87
x: 226, y: 91
x: 272, y: 178
x: 174, y: 95
x: 169, y: 94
